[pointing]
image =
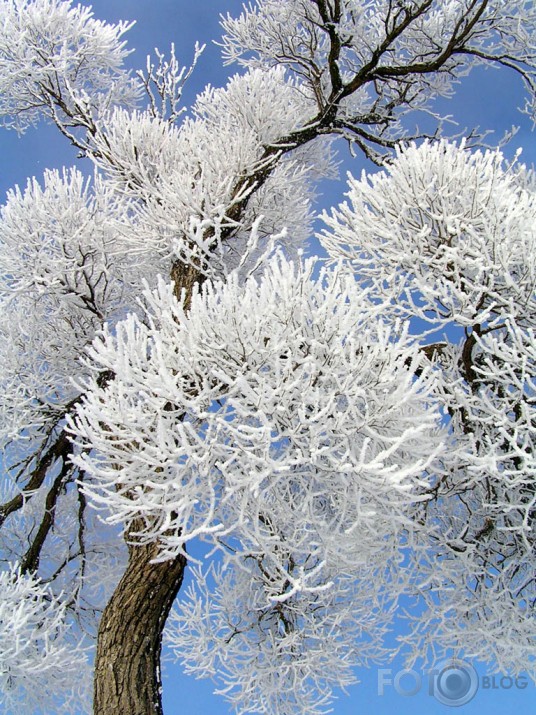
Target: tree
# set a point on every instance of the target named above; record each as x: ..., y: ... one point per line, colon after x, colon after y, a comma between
x: 172, y: 370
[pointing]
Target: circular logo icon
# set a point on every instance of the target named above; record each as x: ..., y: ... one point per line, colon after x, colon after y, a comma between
x: 456, y: 683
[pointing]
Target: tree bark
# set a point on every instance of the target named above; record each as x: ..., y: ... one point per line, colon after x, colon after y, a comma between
x: 185, y: 278
x: 127, y: 679
x: 127, y: 662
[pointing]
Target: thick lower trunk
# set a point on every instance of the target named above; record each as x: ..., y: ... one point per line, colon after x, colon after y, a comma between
x: 127, y: 663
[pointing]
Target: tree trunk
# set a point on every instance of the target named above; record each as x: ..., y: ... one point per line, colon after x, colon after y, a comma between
x: 127, y: 662
x: 127, y: 678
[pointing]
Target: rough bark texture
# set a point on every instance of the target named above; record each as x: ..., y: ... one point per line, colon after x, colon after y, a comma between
x: 127, y: 677
x: 185, y: 277
x: 127, y: 663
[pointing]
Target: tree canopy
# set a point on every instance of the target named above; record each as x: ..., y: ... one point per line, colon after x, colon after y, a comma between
x: 338, y: 434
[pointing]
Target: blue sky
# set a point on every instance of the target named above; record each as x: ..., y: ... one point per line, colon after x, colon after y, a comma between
x: 487, y: 99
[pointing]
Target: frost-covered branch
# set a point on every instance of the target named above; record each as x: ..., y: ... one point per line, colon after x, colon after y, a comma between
x: 42, y: 666
x: 164, y: 83
x: 446, y: 237
x: 282, y: 422
x: 367, y: 65
x: 58, y: 60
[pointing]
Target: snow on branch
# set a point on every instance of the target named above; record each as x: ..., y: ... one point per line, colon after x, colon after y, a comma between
x: 377, y: 61
x: 42, y: 666
x: 59, y: 61
x: 286, y: 384
x: 446, y: 238
x: 444, y: 234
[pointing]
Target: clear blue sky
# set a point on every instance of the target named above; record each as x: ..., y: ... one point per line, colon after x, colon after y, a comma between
x: 488, y: 99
